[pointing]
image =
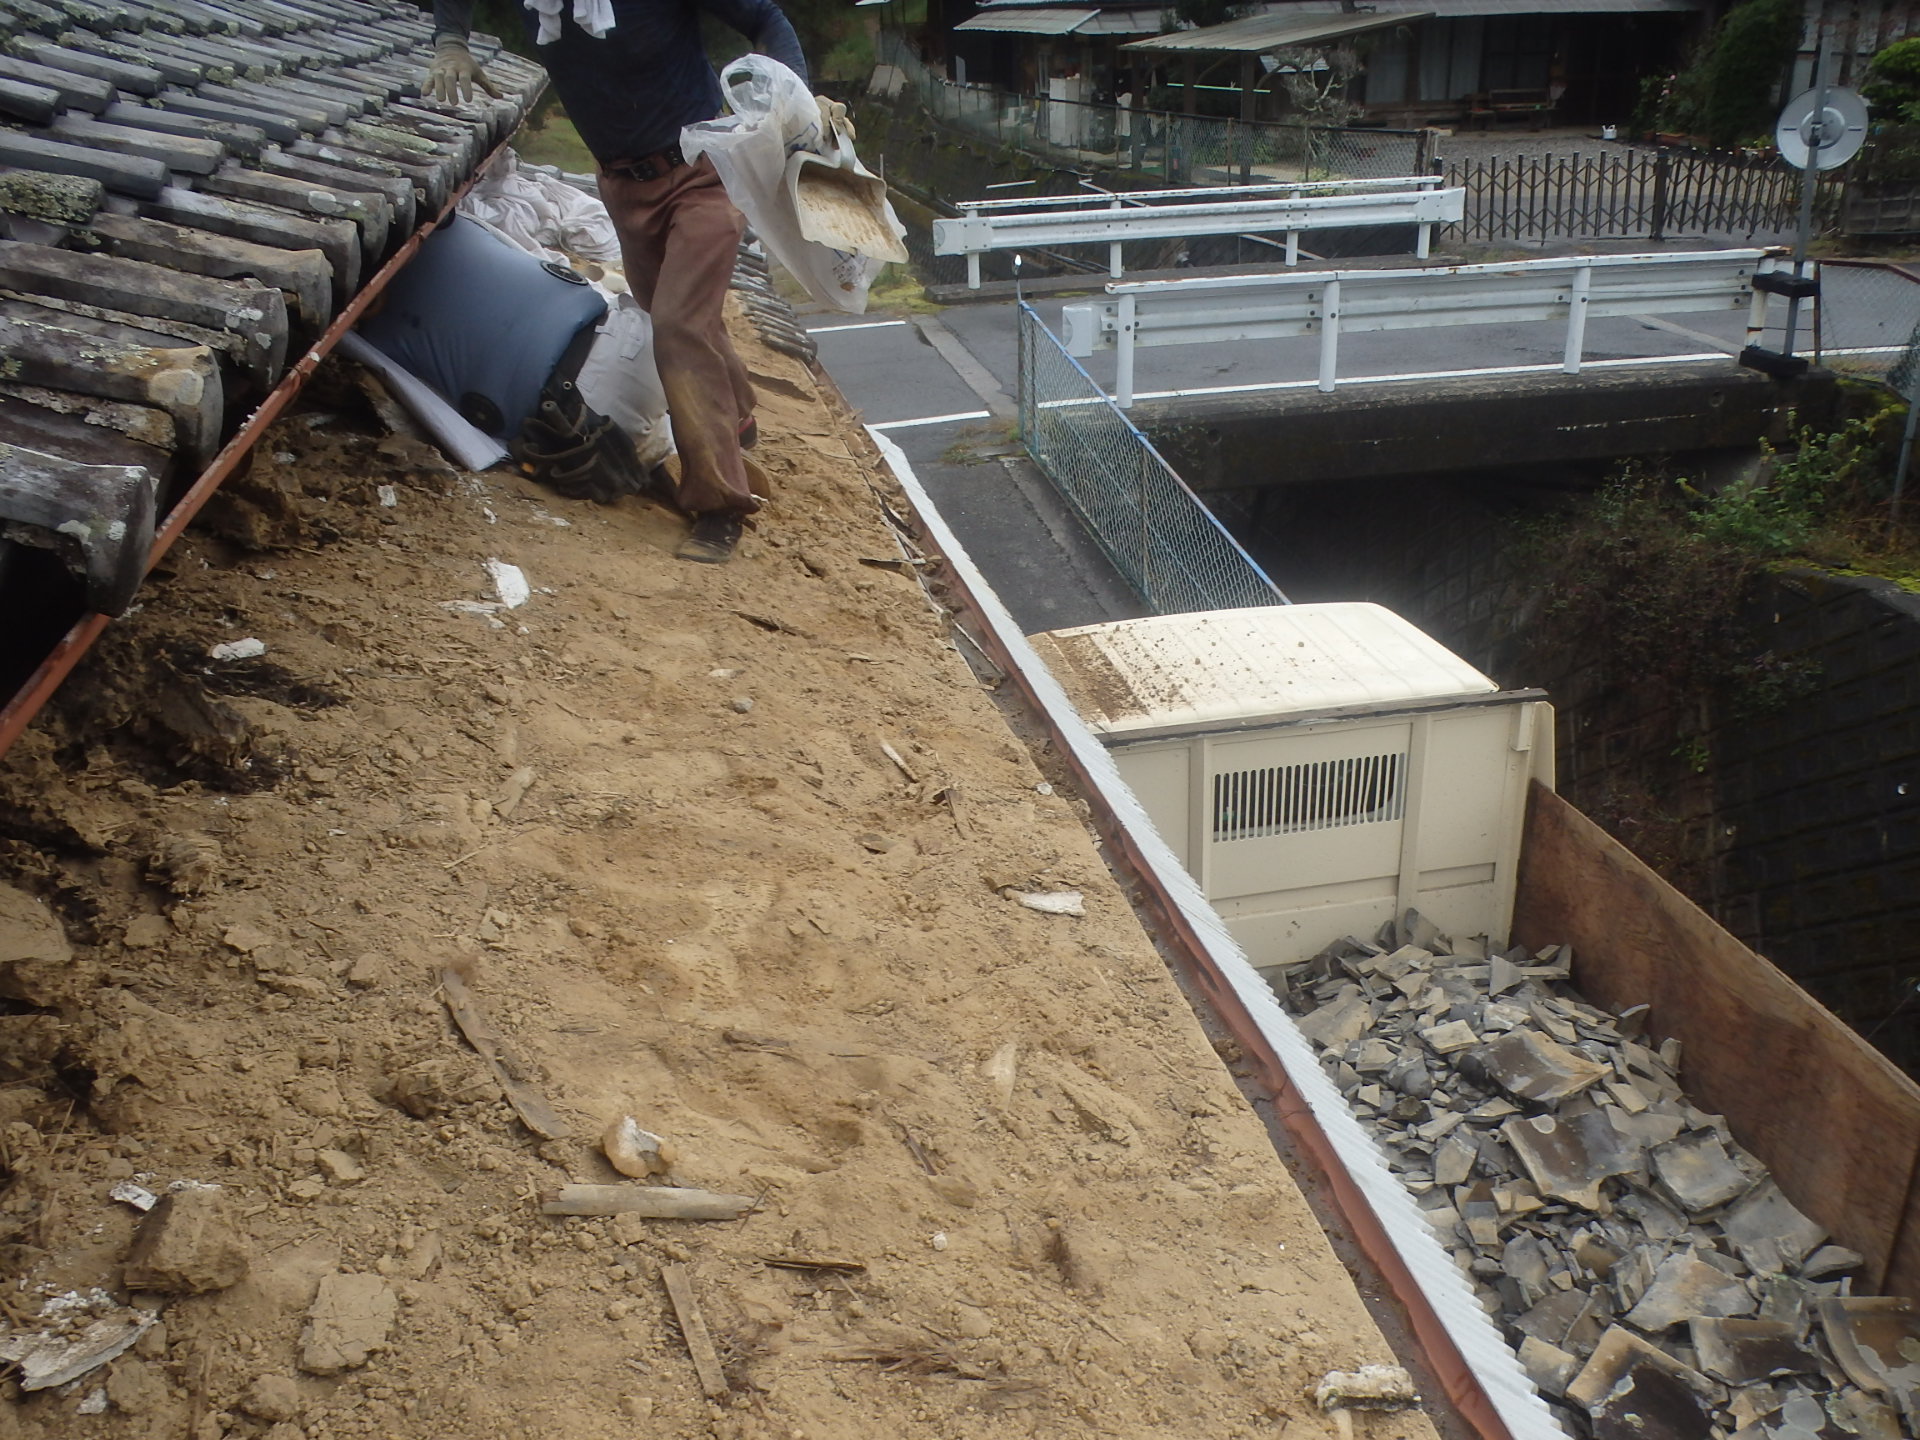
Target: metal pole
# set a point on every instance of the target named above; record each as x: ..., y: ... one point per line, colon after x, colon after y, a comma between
x: 1662, y: 171
x: 1809, y: 186
x: 1146, y: 533
x: 1757, y: 306
x: 1906, y: 449
x: 1113, y: 250
x: 1329, y: 334
x: 1577, y: 319
x: 1293, y: 247
x: 1123, y: 366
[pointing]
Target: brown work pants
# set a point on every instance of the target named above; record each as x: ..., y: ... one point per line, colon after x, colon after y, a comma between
x: 678, y: 236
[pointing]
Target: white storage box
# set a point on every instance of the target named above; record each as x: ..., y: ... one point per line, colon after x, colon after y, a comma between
x: 1319, y: 769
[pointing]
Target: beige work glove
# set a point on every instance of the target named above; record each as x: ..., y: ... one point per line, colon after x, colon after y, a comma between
x: 454, y: 73
x: 834, y: 117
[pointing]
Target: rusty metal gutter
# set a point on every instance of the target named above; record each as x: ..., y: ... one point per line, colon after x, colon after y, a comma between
x: 1462, y: 1350
x: 39, y: 687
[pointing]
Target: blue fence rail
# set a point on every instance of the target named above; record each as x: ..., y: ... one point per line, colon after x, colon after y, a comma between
x: 1159, y: 535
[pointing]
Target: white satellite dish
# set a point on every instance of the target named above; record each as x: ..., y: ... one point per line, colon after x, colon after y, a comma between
x: 1831, y: 137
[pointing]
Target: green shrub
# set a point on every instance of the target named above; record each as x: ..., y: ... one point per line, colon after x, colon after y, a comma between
x: 1893, y: 83
x: 1730, y: 91
x: 1752, y: 47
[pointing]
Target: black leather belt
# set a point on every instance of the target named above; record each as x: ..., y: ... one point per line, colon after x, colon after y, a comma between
x: 650, y: 167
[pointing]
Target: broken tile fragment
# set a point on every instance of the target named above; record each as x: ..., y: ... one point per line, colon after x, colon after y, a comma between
x: 1785, y: 1300
x: 1529, y: 1066
x: 1876, y: 1339
x: 1766, y: 1230
x: 1697, y: 1171
x: 1569, y: 1156
x: 1553, y: 1319
x: 1404, y: 961
x: 1830, y: 1260
x: 1549, y: 1367
x: 1337, y: 1025
x: 1447, y: 1039
x: 1742, y: 1352
x: 1865, y: 1416
x: 1453, y: 1161
x: 1686, y: 1287
x: 1630, y: 1387
x: 1627, y: 1096
x: 1525, y: 1259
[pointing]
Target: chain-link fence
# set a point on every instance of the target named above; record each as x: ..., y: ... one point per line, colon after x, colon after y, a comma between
x: 1867, y: 314
x: 1157, y: 533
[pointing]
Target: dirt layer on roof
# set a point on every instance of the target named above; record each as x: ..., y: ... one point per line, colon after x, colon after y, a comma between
x: 1000, y: 1184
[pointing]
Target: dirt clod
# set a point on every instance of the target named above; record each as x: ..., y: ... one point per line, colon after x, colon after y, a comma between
x: 272, y: 1398
x: 188, y: 1244
x: 348, y: 1322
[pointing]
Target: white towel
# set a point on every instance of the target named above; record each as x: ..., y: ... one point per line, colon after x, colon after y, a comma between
x: 593, y: 16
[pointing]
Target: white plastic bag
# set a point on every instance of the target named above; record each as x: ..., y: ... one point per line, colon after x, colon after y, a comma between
x: 618, y: 379
x: 774, y: 116
x: 542, y: 213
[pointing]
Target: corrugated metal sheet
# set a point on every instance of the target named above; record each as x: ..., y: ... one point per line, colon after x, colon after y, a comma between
x: 1316, y: 23
x: 1028, y: 21
x: 1124, y: 22
x: 1282, y: 30
x: 1465, y: 8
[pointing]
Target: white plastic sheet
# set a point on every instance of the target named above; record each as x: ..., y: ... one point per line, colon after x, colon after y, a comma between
x: 775, y: 116
x: 541, y: 213
x: 473, y: 449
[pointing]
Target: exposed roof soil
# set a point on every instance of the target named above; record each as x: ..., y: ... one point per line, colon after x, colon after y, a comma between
x: 648, y: 817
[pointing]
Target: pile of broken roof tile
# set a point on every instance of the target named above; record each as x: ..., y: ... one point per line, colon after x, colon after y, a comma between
x: 1652, y: 1277
x: 190, y: 191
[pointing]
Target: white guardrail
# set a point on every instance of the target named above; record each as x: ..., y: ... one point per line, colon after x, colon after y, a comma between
x: 1211, y: 309
x: 1040, y: 221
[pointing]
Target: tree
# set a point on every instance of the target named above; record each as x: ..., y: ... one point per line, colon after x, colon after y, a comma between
x: 1315, y: 82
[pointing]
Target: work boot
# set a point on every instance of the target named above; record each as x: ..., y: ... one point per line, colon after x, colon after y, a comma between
x: 715, y: 534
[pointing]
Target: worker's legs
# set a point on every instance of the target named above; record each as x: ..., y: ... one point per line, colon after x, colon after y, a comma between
x: 679, y: 235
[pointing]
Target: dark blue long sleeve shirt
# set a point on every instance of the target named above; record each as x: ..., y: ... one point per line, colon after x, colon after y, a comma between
x: 632, y: 92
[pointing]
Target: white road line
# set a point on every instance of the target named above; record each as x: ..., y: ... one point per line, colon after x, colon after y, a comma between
x: 934, y: 420
x: 865, y: 325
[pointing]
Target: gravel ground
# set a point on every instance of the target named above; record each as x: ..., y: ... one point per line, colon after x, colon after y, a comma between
x: 1510, y: 144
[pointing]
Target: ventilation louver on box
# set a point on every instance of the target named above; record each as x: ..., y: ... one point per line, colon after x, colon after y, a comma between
x: 1319, y: 795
